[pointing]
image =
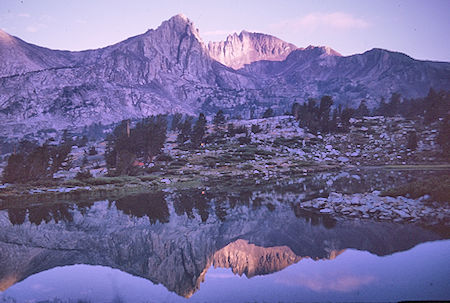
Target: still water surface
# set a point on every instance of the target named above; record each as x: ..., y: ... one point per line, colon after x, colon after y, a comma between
x: 420, y: 273
x: 205, y: 246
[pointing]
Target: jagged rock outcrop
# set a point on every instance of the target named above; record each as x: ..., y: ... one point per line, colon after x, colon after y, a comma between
x: 245, y: 48
x: 170, y: 69
x: 178, y: 253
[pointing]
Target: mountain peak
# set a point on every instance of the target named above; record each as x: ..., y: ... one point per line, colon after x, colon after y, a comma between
x: 179, y: 25
x: 180, y: 18
x: 5, y: 37
x: 329, y: 51
x: 325, y: 50
x: 247, y: 47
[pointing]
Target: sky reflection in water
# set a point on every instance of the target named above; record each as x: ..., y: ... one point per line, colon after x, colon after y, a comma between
x: 173, y: 237
x: 420, y: 273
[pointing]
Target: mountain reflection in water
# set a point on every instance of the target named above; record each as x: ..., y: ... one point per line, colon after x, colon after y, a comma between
x: 173, y: 238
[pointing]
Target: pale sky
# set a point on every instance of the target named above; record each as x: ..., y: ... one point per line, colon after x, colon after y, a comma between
x: 419, y: 28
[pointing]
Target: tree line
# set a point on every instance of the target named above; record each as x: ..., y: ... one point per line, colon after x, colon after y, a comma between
x: 321, y: 116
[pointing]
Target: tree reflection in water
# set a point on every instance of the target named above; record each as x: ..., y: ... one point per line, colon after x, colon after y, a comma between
x: 17, y: 215
x: 186, y: 201
x: 152, y: 205
x: 42, y: 213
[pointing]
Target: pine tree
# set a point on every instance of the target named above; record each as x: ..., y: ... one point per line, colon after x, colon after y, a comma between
x: 67, y: 138
x: 412, y: 140
x: 219, y: 118
x: 15, y: 169
x: 176, y: 120
x: 346, y: 114
x: 185, y: 131
x: 382, y: 109
x: 324, y: 113
x: 362, y: 110
x: 334, y: 120
x: 110, y: 152
x: 443, y: 138
x: 199, y: 130
x: 268, y: 113
x: 393, y: 106
x: 295, y: 111
x: 33, y: 162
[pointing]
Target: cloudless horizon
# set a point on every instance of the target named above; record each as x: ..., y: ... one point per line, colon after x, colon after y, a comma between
x: 417, y: 28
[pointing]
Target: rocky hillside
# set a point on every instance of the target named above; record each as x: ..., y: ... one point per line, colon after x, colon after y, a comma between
x: 170, y: 69
x: 162, y: 70
x: 19, y: 57
x: 377, y: 73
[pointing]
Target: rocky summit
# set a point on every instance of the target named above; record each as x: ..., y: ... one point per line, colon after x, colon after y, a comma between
x: 245, y: 48
x: 170, y: 69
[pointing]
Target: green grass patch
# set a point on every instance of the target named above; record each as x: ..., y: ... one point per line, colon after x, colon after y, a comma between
x: 419, y: 167
x: 43, y: 183
x: 290, y: 142
x: 112, y: 180
x: 147, y: 178
x: 73, y: 182
x: 264, y: 153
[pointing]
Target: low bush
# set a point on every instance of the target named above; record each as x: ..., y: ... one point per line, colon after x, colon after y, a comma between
x: 247, y: 167
x: 163, y: 158
x: 153, y: 169
x: 256, y: 129
x: 83, y: 175
x: 244, y: 140
x: 211, y: 163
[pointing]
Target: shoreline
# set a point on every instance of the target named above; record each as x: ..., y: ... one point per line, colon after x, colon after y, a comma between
x: 370, y: 205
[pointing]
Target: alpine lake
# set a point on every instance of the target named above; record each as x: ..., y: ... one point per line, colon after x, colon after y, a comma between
x: 210, y: 244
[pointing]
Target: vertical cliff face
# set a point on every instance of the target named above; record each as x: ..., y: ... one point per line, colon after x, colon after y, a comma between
x: 245, y: 48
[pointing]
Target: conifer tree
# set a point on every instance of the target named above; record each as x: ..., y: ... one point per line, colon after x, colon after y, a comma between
x: 219, y: 118
x: 199, y: 130
x: 268, y: 113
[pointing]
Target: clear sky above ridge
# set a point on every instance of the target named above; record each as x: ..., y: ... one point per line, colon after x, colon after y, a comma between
x: 418, y: 28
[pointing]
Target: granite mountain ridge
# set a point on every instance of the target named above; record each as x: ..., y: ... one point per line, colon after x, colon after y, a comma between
x: 170, y: 69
